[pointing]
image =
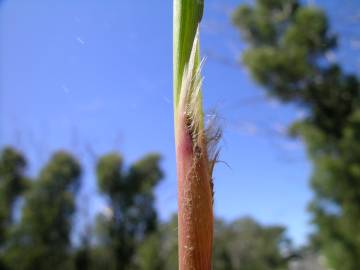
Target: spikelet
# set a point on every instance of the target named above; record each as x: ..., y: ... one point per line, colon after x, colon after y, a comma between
x: 204, y: 138
x: 196, y: 142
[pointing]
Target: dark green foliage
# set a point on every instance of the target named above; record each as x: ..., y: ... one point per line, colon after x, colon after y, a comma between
x: 42, y: 238
x: 12, y: 184
x: 246, y: 245
x: 130, y: 195
x: 241, y: 245
x: 83, y: 254
x: 83, y: 259
x: 160, y: 250
x: 128, y: 236
x: 150, y: 253
x: 287, y: 55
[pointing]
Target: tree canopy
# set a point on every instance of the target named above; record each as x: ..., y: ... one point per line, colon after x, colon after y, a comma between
x: 243, y: 244
x: 130, y: 194
x: 41, y: 240
x: 287, y: 55
x: 12, y: 185
x: 128, y: 233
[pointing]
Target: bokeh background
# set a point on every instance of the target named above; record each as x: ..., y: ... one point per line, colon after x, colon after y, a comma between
x: 95, y: 77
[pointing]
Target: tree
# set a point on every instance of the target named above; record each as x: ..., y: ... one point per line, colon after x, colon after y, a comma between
x: 288, y: 45
x: 131, y: 215
x: 159, y: 251
x: 240, y: 245
x: 246, y: 245
x: 12, y: 184
x: 42, y: 238
x: 82, y: 255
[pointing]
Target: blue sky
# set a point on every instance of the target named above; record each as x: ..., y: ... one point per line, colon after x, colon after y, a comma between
x: 96, y: 76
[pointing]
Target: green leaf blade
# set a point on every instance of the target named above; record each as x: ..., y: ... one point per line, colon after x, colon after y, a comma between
x: 187, y: 16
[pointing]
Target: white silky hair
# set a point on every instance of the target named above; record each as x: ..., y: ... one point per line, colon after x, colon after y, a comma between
x: 190, y: 107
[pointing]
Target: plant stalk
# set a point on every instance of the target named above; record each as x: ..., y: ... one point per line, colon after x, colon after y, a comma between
x: 194, y: 162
